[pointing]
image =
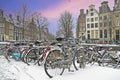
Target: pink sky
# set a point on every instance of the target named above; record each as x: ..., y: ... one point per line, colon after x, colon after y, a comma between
x: 73, y: 6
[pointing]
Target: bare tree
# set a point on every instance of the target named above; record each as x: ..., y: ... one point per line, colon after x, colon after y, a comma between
x: 65, y: 24
x: 42, y: 24
x: 23, y: 14
x: 40, y: 20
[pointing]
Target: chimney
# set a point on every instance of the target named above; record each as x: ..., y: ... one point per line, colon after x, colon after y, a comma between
x: 1, y: 12
x: 87, y: 11
x: 10, y: 15
x: 18, y: 18
x: 81, y: 11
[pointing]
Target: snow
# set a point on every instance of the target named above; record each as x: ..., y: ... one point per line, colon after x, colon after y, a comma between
x: 17, y: 70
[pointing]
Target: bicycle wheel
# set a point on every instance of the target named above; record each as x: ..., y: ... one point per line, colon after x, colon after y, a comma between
x: 52, y: 65
x: 31, y: 57
x: 79, y: 60
x: 106, y: 60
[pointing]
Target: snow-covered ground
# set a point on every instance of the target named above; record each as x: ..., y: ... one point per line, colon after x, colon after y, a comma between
x: 20, y: 71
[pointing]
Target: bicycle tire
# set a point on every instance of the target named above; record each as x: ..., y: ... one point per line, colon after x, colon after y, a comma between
x: 79, y: 60
x: 50, y: 60
x: 31, y: 57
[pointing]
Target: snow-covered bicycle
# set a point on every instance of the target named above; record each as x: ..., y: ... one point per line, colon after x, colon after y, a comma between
x: 62, y: 58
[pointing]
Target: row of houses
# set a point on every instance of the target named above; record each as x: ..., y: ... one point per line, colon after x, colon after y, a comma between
x: 99, y: 26
x: 13, y: 30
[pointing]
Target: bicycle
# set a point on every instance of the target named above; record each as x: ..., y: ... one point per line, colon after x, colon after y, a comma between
x: 36, y: 55
x: 111, y: 59
x: 103, y: 56
x: 13, y: 53
x: 60, y: 59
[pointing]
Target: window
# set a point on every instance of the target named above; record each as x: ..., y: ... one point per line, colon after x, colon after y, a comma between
x: 96, y: 25
x: 92, y: 33
x: 91, y: 9
x: 96, y: 18
x: 88, y: 34
x: 101, y: 35
x: 2, y: 37
x: 100, y: 18
x: 110, y: 23
x: 1, y: 24
x: 92, y: 19
x: 105, y: 33
x: 110, y: 17
x: 110, y: 33
x: 88, y: 25
x: 96, y: 34
x: 105, y: 17
x: 92, y: 25
x: 116, y: 22
x: 11, y: 26
x: 88, y: 31
x: 105, y: 24
x: 117, y: 35
x: 100, y: 24
x: 92, y: 14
